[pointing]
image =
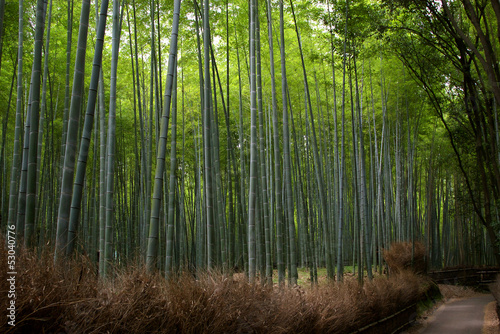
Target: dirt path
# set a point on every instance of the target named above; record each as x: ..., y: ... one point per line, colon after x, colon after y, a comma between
x: 465, y: 316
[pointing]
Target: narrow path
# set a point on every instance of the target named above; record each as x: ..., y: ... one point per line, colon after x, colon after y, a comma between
x: 464, y: 316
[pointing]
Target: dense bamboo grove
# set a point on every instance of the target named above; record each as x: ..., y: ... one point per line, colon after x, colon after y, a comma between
x: 281, y: 134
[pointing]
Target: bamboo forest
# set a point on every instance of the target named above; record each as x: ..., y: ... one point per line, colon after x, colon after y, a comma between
x: 263, y: 137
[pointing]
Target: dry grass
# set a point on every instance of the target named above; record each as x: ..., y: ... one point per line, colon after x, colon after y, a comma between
x: 406, y: 256
x: 70, y: 298
x: 457, y: 291
x: 44, y: 291
x: 348, y: 306
x: 491, y: 322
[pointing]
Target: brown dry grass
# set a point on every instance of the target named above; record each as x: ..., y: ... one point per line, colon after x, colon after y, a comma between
x: 491, y: 322
x: 405, y: 256
x: 44, y: 291
x: 70, y: 298
x: 457, y: 291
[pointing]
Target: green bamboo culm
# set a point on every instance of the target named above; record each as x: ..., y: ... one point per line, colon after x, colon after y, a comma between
x: 21, y: 200
x: 340, y: 267
x: 16, y: 155
x: 102, y: 172
x: 2, y: 15
x: 171, y: 191
x: 41, y: 126
x: 72, y: 134
x: 87, y: 130
x: 207, y: 133
x: 33, y: 137
x: 263, y: 163
x: 67, y: 93
x: 243, y: 208
x: 252, y: 196
x: 364, y: 214
x: 287, y: 164
x: 200, y: 227
x: 111, y: 146
x: 318, y: 162
x: 3, y: 178
x: 152, y: 251
x: 277, y: 154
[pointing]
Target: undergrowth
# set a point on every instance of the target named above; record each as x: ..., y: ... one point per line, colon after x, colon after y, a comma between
x: 70, y: 298
x: 406, y: 256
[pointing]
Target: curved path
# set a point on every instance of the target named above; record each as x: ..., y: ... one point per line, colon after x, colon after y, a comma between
x: 459, y: 317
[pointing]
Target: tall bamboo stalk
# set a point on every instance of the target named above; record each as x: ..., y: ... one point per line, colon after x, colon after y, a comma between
x: 73, y: 125
x: 34, y: 115
x: 16, y: 155
x: 277, y: 154
x: 318, y: 163
x: 111, y: 145
x: 160, y: 159
x: 173, y: 167
x: 87, y: 130
x: 286, y: 157
x: 340, y: 266
x: 207, y: 132
x: 252, y: 219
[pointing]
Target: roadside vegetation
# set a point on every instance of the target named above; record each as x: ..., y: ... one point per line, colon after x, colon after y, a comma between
x: 69, y: 297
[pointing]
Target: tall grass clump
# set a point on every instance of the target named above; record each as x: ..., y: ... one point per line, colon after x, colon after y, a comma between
x: 44, y: 291
x: 346, y: 307
x: 403, y: 256
x: 70, y: 298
